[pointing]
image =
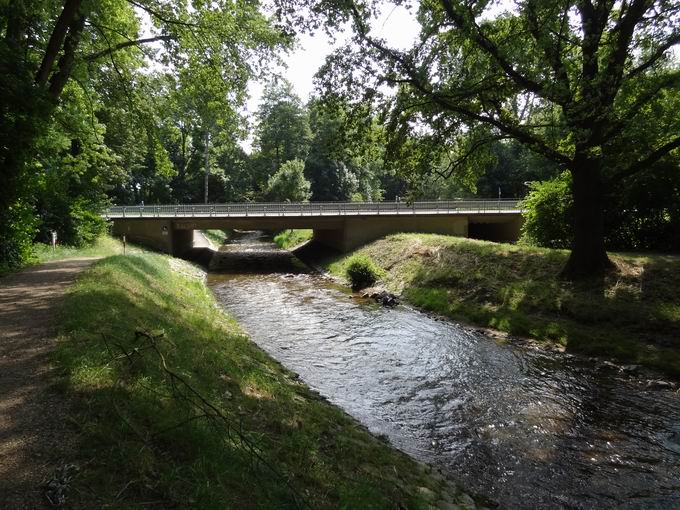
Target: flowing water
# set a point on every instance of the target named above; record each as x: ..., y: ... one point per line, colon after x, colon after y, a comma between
x: 525, y: 428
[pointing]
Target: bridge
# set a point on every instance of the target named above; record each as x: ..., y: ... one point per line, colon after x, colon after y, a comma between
x: 339, y: 225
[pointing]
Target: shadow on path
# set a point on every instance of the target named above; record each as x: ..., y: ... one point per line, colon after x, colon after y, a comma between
x: 33, y: 432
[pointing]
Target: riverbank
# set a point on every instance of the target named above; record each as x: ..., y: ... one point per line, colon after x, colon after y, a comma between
x: 632, y: 315
x: 292, y: 238
x: 218, y: 237
x: 190, y: 412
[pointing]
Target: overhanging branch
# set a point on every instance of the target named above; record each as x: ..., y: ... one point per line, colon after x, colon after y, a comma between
x: 647, y: 161
x: 127, y: 44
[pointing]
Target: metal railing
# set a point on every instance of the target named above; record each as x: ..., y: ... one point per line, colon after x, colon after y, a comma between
x: 297, y: 209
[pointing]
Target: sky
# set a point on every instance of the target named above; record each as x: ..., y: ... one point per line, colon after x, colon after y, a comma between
x: 396, y: 25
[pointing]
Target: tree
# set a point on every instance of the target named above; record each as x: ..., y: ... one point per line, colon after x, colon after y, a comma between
x: 345, y: 159
x: 288, y: 184
x: 282, y: 131
x: 645, y: 215
x: 566, y: 79
x: 45, y: 47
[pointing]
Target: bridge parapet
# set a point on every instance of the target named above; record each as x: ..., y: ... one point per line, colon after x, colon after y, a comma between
x: 300, y: 209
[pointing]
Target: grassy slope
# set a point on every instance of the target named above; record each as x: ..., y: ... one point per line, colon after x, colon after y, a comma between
x: 289, y: 239
x: 632, y: 315
x: 127, y: 415
x: 219, y: 237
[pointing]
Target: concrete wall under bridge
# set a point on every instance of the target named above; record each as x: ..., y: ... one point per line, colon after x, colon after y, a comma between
x: 340, y: 228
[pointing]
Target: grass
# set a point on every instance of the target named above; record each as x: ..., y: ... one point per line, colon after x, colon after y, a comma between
x: 102, y: 247
x: 289, y: 239
x: 219, y: 237
x: 144, y: 441
x: 633, y: 314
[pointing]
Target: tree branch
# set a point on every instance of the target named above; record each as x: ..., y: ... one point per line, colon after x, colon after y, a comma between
x: 509, y: 129
x: 65, y: 65
x: 484, y: 43
x: 161, y: 17
x: 672, y: 41
x: 65, y: 20
x: 460, y: 161
x: 552, y: 54
x: 623, y: 34
x: 138, y: 42
x: 623, y: 121
x: 646, y: 162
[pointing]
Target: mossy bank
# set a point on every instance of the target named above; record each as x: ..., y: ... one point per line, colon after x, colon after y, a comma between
x: 175, y: 407
x: 632, y: 314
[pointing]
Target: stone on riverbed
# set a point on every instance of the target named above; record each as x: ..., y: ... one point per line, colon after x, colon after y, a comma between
x: 659, y: 385
x: 381, y: 296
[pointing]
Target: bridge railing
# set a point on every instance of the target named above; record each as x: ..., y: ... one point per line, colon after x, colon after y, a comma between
x: 264, y: 209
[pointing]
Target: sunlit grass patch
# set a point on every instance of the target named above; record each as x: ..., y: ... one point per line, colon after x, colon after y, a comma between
x: 292, y: 238
x: 219, y: 237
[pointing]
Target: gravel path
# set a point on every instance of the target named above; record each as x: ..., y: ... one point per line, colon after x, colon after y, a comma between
x: 34, y: 436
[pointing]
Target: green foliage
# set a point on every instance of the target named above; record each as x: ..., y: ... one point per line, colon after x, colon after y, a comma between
x: 84, y: 119
x: 288, y: 184
x: 547, y: 220
x: 282, y: 132
x: 361, y: 271
x: 643, y: 215
x: 17, y: 229
x: 345, y: 160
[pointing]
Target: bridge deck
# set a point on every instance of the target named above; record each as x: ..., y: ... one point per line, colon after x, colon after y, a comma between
x: 317, y: 209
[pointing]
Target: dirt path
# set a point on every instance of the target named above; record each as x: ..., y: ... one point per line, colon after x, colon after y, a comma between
x: 33, y: 431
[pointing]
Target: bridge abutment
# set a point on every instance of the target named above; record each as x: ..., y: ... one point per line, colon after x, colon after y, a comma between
x: 158, y: 234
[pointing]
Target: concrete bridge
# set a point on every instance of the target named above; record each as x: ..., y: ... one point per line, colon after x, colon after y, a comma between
x: 339, y: 225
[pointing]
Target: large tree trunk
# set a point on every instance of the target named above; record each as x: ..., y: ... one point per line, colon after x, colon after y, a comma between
x: 588, y: 256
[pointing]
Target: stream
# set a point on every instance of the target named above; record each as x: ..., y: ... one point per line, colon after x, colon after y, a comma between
x: 523, y: 427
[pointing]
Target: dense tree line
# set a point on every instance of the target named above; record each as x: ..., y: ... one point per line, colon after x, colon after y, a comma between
x: 130, y: 102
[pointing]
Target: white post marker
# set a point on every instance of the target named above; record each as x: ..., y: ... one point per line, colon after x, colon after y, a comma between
x: 54, y: 241
x: 123, y: 244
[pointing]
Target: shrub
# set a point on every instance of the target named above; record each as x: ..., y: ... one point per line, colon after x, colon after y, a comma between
x: 361, y: 272
x: 547, y: 217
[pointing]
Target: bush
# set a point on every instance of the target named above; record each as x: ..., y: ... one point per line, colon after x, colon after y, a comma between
x: 547, y: 217
x: 288, y: 184
x: 17, y: 228
x: 361, y: 272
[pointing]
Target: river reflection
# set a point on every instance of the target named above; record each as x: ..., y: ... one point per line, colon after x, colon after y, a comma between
x: 526, y: 428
